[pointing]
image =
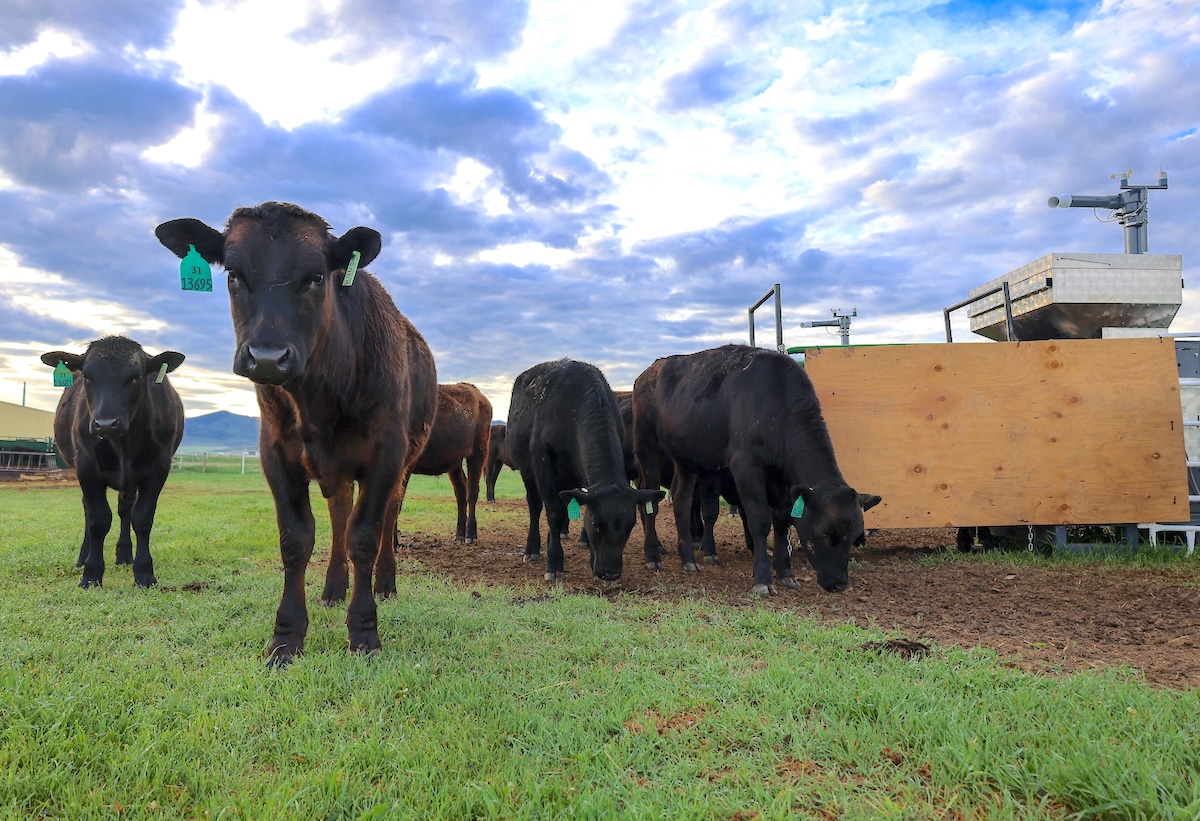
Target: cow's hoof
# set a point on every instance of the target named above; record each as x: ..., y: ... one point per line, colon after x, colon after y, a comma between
x: 279, y: 658
x: 711, y: 559
x: 554, y: 577
x: 764, y: 590
x: 654, y: 564
x: 790, y: 583
x: 331, y: 601
x: 384, y: 595
x: 85, y: 582
x: 530, y: 558
x: 691, y: 567
x: 123, y: 559
x: 470, y: 540
x: 146, y: 582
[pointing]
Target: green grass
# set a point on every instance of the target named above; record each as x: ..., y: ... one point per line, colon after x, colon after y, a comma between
x: 518, y: 703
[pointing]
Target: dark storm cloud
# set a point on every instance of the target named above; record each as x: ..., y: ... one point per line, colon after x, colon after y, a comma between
x: 109, y: 26
x: 470, y: 30
x: 79, y: 123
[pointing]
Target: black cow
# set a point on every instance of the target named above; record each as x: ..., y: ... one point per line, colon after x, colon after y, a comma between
x: 564, y: 436
x: 346, y: 388
x: 119, y: 425
x: 754, y: 413
x: 497, y: 458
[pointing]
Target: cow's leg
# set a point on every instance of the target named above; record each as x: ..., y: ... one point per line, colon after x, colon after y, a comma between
x: 782, y: 550
x: 337, y: 577
x: 378, y: 505
x: 683, y: 489
x: 491, y: 473
x: 474, y: 470
x: 458, y: 481
x: 125, y: 502
x: 97, y: 518
x: 533, y: 541
x: 385, y: 555
x: 297, y: 533
x: 144, y: 507
x: 647, y: 512
x: 709, y: 510
x: 556, y: 518
x: 757, y: 518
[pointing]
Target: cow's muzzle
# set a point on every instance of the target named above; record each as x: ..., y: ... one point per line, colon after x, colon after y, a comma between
x: 112, y: 426
x: 267, y: 365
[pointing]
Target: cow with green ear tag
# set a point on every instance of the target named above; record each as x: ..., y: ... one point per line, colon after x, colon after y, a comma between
x: 347, y: 391
x: 118, y: 423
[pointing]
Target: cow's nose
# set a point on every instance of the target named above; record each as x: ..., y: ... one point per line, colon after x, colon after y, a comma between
x: 266, y: 364
x: 106, y: 427
x: 608, y: 575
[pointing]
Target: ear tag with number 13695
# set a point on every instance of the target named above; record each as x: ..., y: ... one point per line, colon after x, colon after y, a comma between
x: 62, y: 376
x: 194, y: 271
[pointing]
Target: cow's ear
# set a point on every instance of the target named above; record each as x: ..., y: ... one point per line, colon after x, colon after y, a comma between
x: 797, y: 491
x: 579, y: 494
x: 866, y: 502
x: 366, y: 241
x: 73, y: 361
x: 178, y: 234
x: 172, y: 359
x: 643, y: 496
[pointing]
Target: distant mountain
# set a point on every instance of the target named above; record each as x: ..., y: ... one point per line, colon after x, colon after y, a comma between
x: 220, y: 432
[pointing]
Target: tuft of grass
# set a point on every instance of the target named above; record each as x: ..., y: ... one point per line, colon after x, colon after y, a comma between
x: 519, y: 703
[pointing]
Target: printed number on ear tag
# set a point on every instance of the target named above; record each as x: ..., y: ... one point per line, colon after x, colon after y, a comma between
x: 573, y: 511
x: 62, y: 376
x: 351, y: 269
x: 194, y: 271
x: 798, y: 508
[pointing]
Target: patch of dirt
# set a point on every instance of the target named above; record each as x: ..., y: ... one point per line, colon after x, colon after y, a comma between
x: 1052, y: 619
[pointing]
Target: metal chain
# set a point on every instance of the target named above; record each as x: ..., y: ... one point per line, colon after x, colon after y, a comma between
x: 1030, y: 546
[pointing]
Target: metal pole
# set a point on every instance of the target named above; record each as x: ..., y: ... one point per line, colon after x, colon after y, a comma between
x: 774, y: 292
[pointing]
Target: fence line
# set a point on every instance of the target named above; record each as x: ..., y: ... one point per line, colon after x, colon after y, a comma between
x: 244, y: 462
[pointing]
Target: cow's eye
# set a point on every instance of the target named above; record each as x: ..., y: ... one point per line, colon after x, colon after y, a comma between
x: 318, y: 278
x: 233, y: 277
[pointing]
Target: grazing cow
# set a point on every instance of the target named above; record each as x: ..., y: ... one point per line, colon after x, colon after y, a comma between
x: 564, y: 435
x: 754, y: 413
x: 347, y: 391
x: 118, y: 425
x: 461, y: 432
x: 497, y: 458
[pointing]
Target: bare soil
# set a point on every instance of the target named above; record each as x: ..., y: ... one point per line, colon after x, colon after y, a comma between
x: 1064, y: 619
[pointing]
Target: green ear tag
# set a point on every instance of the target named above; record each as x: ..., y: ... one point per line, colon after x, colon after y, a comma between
x: 351, y: 270
x: 62, y: 376
x: 798, y: 508
x: 573, y: 512
x: 194, y: 271
x: 162, y: 373
x: 649, y: 508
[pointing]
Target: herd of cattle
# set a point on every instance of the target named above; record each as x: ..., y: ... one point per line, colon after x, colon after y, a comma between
x: 348, y: 397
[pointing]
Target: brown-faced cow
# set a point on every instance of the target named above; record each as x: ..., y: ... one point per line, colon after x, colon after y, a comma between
x: 118, y: 425
x: 461, y: 433
x: 497, y: 458
x: 346, y: 388
x: 564, y: 435
x: 754, y: 413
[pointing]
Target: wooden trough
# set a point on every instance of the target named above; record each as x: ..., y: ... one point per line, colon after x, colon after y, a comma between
x: 1058, y: 432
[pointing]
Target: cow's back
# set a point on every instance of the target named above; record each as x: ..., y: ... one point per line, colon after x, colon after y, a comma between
x: 734, y: 399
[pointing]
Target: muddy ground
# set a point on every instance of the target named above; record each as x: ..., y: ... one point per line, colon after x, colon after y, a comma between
x: 1056, y: 619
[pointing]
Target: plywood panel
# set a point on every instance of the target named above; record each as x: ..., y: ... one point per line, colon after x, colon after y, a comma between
x: 1084, y: 431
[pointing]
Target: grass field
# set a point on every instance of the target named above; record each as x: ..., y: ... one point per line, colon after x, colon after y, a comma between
x: 517, y: 703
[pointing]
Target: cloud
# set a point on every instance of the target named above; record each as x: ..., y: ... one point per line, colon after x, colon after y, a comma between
x: 458, y: 30
x: 80, y: 123
x: 111, y: 25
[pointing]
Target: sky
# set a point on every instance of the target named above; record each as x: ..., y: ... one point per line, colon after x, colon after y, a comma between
x: 611, y: 182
